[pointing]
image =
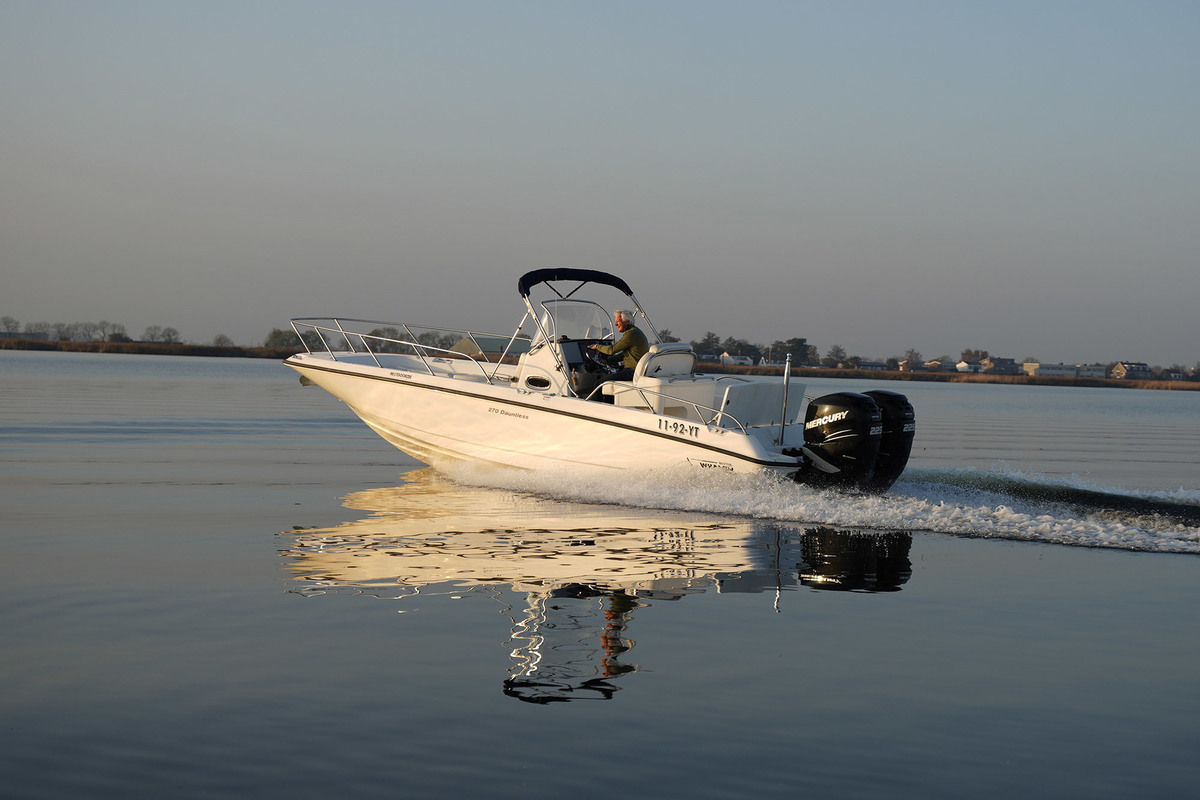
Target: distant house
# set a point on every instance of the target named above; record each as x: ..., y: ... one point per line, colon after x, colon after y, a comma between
x: 872, y: 366
x: 969, y: 366
x: 1060, y: 370
x: 1000, y: 366
x: 732, y: 360
x: 1132, y: 371
x: 1040, y: 370
x: 939, y: 366
x: 912, y: 366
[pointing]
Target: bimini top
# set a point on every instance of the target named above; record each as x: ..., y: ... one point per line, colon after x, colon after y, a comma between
x: 532, y: 279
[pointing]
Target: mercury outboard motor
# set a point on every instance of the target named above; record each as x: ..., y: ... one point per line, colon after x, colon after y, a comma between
x: 843, y: 430
x: 899, y: 428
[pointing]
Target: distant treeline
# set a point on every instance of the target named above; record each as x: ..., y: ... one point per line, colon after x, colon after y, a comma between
x: 163, y: 349
x: 973, y: 377
x: 148, y: 348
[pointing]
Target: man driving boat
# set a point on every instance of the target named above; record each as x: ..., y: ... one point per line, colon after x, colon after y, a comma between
x: 632, y: 343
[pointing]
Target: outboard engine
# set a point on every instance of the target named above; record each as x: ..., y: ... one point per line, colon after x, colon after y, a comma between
x: 843, y: 430
x: 899, y: 428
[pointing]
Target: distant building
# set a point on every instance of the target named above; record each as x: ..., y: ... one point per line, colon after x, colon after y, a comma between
x: 872, y: 366
x: 969, y: 366
x: 1000, y: 366
x: 939, y: 366
x: 912, y: 366
x: 1040, y: 370
x: 732, y: 360
x: 1132, y: 371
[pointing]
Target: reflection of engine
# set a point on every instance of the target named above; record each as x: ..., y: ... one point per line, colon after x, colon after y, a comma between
x: 823, y: 558
x: 568, y: 644
x: 841, y: 560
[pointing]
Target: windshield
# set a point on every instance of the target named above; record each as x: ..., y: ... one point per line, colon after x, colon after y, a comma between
x: 575, y: 319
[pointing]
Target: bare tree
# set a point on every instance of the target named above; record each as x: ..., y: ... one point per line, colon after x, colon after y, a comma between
x: 153, y: 333
x: 384, y: 343
x: 711, y: 343
x: 974, y: 355
x: 10, y: 324
x: 281, y: 338
x: 834, y: 356
x: 170, y: 336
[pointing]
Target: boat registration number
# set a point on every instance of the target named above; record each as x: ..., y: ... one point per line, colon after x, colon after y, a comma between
x: 679, y: 428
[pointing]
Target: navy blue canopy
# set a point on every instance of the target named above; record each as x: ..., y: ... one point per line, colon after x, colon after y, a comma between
x: 531, y: 279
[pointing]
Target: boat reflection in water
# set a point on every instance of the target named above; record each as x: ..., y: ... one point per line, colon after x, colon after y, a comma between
x: 585, y: 571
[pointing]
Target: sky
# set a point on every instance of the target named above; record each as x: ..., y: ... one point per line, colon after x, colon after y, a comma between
x: 1020, y: 177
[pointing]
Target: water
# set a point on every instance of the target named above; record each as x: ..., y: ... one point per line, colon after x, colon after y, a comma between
x: 221, y: 584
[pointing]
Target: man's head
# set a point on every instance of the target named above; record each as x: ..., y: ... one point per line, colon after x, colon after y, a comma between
x: 624, y: 320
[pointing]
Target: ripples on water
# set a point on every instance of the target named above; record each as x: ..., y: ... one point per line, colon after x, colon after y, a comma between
x: 752, y: 637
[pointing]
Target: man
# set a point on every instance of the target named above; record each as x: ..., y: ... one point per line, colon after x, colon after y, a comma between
x: 632, y: 343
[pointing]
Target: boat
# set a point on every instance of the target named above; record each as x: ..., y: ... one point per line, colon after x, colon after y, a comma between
x: 542, y: 399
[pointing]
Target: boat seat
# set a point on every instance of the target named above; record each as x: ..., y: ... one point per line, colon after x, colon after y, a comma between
x: 665, y: 360
x: 750, y: 403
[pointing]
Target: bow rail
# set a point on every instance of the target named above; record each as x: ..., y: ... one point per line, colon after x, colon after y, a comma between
x: 345, y: 337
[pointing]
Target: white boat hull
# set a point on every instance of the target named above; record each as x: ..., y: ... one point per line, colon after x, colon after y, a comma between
x: 439, y: 419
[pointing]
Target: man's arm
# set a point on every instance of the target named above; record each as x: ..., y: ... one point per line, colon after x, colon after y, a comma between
x: 622, y: 344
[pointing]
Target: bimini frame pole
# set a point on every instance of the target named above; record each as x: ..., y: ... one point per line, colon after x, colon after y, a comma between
x: 787, y: 379
x: 637, y: 309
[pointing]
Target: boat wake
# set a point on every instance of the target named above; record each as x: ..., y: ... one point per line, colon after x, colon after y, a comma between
x: 957, y: 502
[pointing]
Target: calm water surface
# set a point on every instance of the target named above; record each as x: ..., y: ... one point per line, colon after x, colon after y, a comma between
x: 221, y: 584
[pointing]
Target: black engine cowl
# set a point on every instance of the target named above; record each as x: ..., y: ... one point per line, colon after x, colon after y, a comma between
x: 895, y: 444
x: 844, y: 431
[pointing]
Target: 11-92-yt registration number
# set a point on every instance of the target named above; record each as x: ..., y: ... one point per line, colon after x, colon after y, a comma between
x: 679, y: 428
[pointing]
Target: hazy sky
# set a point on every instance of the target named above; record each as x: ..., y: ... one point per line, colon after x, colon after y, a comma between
x: 1022, y: 177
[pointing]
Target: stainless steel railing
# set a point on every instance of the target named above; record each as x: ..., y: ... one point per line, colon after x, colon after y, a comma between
x: 326, y: 333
